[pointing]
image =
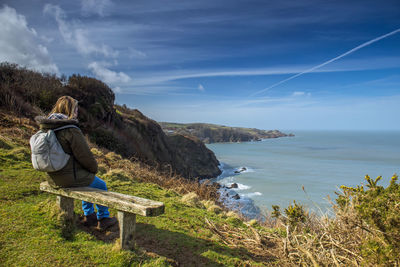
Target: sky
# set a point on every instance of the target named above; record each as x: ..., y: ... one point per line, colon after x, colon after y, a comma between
x: 288, y: 65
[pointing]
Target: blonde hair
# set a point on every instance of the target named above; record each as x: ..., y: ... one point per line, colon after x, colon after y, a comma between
x: 65, y: 105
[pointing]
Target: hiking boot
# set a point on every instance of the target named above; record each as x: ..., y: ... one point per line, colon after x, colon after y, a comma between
x: 90, y: 220
x: 105, y: 223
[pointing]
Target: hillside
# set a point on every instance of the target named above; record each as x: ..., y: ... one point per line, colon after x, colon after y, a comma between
x: 120, y: 129
x: 30, y: 228
x: 212, y: 133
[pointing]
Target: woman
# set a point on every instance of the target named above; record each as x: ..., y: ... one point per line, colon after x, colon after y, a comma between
x: 82, y: 166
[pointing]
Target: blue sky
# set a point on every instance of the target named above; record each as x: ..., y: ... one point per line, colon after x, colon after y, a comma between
x: 224, y: 62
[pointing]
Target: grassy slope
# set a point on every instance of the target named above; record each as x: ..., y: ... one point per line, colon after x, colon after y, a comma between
x: 30, y: 230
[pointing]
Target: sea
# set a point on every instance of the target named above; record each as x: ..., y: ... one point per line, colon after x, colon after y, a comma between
x: 307, y: 168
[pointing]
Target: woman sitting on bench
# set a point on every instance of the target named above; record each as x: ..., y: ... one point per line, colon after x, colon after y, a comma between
x: 82, y: 166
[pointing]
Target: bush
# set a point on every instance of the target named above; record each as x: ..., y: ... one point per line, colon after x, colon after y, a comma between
x: 294, y: 214
x: 25, y: 91
x: 378, y: 209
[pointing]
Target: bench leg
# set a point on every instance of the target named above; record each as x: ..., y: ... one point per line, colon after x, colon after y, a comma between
x: 127, y: 226
x: 66, y: 205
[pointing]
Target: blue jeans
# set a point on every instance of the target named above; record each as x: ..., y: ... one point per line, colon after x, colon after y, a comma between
x: 102, y: 211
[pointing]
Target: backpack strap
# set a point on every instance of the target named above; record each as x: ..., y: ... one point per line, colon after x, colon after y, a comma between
x: 73, y: 158
x: 65, y: 127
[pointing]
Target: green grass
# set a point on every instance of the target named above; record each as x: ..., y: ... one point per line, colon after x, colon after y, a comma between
x: 31, y: 235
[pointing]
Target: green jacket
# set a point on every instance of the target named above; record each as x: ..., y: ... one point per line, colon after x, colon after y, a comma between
x: 73, y: 143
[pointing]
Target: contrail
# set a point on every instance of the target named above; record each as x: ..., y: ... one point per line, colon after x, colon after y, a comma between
x: 329, y: 61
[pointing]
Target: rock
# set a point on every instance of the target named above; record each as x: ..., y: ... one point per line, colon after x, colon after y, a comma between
x: 236, y: 197
x: 217, y: 185
x: 234, y: 185
x: 241, y: 170
x: 192, y: 158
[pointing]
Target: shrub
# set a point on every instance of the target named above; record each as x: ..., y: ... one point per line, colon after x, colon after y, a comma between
x: 379, y: 210
x: 295, y: 214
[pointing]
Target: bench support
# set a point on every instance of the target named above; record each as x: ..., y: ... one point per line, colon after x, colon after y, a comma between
x: 127, y: 226
x: 66, y: 206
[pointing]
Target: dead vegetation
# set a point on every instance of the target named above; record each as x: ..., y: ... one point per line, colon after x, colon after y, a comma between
x: 318, y: 242
x: 358, y: 234
x: 150, y: 174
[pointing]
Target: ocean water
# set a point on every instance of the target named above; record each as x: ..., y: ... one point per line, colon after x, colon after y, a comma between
x: 277, y: 170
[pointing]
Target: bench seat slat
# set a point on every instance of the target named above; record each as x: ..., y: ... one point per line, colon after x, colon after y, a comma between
x: 122, y: 202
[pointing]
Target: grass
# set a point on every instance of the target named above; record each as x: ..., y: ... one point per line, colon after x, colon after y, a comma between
x: 30, y: 228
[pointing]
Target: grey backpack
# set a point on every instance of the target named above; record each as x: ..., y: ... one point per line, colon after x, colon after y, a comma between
x: 47, y: 153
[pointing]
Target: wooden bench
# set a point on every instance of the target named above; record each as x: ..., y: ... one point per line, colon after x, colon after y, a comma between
x: 127, y: 207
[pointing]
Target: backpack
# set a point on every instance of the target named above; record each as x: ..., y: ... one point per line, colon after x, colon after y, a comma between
x: 47, y: 153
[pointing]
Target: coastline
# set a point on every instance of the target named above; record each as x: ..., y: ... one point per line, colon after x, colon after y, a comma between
x: 231, y: 195
x: 318, y: 161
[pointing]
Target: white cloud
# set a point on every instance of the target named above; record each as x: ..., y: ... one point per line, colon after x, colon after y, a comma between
x: 76, y: 36
x: 117, y: 89
x: 20, y: 44
x: 155, y: 78
x: 98, y: 7
x: 134, y: 53
x: 101, y: 71
x: 201, y: 87
x: 298, y: 93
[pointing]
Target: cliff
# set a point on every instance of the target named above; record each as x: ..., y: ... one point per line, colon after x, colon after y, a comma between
x: 187, y: 156
x: 119, y: 129
x: 211, y: 133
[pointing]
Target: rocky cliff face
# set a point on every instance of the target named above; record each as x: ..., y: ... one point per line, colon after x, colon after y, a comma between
x: 116, y: 128
x: 201, y: 162
x: 184, y: 155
